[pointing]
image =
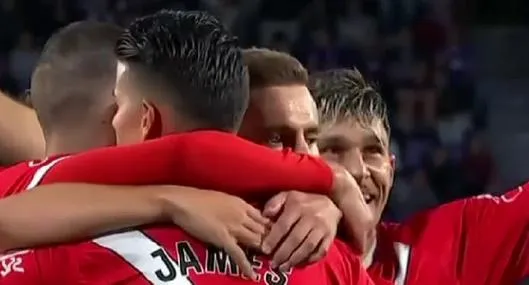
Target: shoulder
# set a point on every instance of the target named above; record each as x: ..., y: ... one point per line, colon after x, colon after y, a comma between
x: 435, y: 221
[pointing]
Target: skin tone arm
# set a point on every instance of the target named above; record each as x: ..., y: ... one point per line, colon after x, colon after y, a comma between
x: 96, y: 209
x: 76, y: 211
x: 16, y: 145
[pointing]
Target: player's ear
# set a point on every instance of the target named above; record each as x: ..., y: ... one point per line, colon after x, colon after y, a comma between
x: 150, y: 121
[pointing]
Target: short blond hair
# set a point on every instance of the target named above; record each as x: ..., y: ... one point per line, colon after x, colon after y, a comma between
x: 342, y: 94
x: 268, y: 68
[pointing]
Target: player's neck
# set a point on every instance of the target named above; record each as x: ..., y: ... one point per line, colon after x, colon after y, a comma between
x: 178, y: 128
x: 174, y: 123
x: 73, y: 142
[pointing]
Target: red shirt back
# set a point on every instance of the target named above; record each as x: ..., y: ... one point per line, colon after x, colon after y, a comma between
x: 155, y: 255
x: 165, y: 255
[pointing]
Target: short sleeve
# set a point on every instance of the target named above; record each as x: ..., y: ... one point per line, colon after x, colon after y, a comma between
x: 495, y: 228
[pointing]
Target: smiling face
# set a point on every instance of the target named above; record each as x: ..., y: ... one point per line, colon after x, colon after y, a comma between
x: 354, y: 131
x: 364, y: 151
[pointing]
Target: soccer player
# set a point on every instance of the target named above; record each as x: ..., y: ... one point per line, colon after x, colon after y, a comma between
x: 274, y: 78
x: 303, y: 225
x: 479, y: 240
x: 72, y: 90
x: 282, y: 114
x: 150, y: 57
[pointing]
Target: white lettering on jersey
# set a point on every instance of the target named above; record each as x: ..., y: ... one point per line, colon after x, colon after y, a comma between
x: 508, y: 197
x: 39, y: 174
x: 403, y: 252
x: 146, y: 256
x: 11, y: 262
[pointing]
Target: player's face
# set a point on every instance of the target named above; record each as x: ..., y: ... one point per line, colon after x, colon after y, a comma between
x: 282, y: 117
x: 133, y: 119
x: 364, y: 152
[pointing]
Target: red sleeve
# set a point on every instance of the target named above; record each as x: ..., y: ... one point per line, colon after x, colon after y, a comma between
x: 206, y: 159
x: 346, y: 266
x: 496, y: 233
x: 33, y: 267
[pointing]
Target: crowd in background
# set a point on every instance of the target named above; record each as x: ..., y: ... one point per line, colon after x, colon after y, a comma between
x: 417, y: 52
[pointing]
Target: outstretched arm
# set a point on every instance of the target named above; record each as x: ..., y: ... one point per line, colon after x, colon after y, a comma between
x: 202, y: 159
x: 20, y: 133
x: 65, y: 212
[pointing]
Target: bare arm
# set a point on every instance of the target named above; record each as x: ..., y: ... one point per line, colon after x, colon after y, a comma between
x: 358, y: 220
x: 65, y: 212
x: 20, y: 133
x: 58, y: 213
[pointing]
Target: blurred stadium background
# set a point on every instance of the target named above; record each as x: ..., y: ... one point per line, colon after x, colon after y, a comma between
x: 455, y: 73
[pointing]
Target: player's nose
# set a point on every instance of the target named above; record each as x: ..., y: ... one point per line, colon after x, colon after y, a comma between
x: 301, y: 145
x: 355, y: 164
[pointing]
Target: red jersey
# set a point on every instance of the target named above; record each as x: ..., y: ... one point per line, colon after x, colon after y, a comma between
x: 165, y: 255
x: 476, y: 241
x: 24, y: 175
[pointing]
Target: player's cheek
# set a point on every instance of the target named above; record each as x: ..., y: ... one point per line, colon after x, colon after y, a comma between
x: 124, y: 126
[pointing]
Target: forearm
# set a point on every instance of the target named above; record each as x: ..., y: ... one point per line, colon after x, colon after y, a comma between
x: 20, y: 133
x: 66, y: 212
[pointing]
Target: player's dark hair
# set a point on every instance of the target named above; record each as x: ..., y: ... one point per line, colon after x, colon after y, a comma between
x: 76, y: 68
x: 194, y: 61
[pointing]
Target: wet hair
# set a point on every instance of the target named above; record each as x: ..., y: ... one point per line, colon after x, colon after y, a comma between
x: 194, y: 63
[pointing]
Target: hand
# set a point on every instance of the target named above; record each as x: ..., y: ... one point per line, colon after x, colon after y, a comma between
x: 359, y: 219
x: 219, y: 219
x: 307, y: 223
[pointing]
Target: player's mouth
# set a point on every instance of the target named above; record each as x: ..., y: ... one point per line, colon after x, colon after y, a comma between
x: 368, y: 198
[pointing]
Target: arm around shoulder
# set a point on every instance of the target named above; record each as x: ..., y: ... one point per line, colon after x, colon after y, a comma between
x: 66, y: 212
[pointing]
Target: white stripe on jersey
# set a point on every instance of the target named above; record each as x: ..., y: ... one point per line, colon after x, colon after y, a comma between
x: 403, y: 253
x: 142, y: 253
x: 41, y: 172
x: 139, y: 251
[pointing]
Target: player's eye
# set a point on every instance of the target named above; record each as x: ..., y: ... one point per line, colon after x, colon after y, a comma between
x: 332, y: 149
x: 275, y: 140
x: 374, y: 149
x: 310, y: 140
